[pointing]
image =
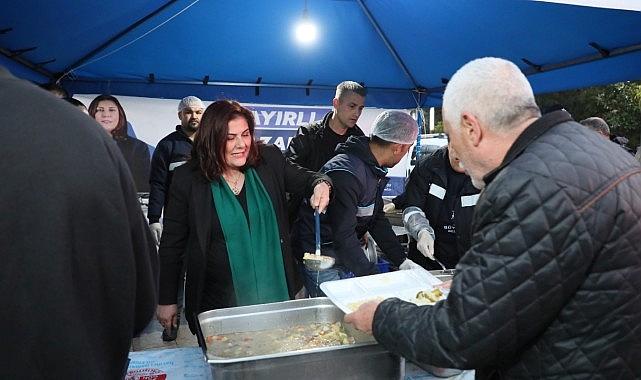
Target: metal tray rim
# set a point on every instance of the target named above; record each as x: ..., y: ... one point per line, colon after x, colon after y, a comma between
x: 219, y: 360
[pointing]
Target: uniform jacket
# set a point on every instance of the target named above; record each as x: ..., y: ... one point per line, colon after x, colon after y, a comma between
x: 550, y: 286
x: 357, y: 207
x: 172, y: 151
x: 427, y: 187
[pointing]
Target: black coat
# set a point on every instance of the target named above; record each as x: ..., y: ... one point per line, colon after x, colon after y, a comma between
x: 78, y: 272
x: 314, y: 145
x: 188, y: 227
x: 434, y: 172
x: 136, y: 155
x: 550, y: 288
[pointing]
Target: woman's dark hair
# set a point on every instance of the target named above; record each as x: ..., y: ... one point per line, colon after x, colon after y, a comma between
x: 211, y: 139
x: 120, y: 132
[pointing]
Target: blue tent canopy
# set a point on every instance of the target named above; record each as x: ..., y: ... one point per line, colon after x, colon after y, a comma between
x: 403, y: 51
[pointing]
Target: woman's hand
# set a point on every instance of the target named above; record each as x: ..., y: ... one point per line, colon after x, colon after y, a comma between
x: 167, y: 315
x: 320, y: 198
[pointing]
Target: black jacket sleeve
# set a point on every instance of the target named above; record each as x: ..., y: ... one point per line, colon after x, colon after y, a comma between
x: 158, y: 180
x: 342, y: 218
x: 141, y: 166
x: 145, y: 255
x: 418, y: 186
x: 175, y: 235
x: 298, y: 149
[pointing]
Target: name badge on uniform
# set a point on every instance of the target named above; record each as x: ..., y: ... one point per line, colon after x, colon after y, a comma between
x: 469, y: 200
x: 437, y: 191
x: 174, y: 165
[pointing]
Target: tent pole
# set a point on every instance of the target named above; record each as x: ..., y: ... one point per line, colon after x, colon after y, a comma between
x: 389, y: 46
x: 102, y: 46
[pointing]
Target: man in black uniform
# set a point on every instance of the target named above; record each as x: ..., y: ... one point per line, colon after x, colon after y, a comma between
x: 171, y: 152
x: 79, y: 268
x: 358, y: 173
x: 439, y: 201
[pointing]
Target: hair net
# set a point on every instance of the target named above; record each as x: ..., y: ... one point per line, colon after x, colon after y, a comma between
x: 395, y: 126
x: 190, y: 101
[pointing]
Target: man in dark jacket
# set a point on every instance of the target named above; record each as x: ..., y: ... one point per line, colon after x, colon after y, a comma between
x: 316, y: 143
x: 549, y: 288
x: 171, y: 152
x: 79, y: 269
x: 358, y: 174
x: 439, y: 201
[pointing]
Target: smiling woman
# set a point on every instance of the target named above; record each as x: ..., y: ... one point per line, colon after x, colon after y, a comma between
x: 226, y: 220
x: 108, y: 112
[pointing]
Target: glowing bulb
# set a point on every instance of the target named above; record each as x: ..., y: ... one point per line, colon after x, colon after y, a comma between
x: 306, y: 31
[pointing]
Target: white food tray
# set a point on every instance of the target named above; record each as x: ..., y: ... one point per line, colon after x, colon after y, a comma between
x: 349, y: 293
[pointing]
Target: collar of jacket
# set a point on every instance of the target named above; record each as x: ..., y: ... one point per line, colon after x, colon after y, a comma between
x: 531, y: 133
x: 359, y: 147
x: 179, y: 128
x: 324, y: 125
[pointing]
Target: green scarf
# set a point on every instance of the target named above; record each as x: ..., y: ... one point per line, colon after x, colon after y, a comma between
x: 254, y: 250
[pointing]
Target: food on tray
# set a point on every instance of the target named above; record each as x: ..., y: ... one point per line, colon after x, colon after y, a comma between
x: 425, y: 297
x: 353, y: 306
x: 265, y: 342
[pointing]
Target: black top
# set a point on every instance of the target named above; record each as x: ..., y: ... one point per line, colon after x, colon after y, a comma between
x: 316, y: 143
x: 136, y: 154
x: 311, y: 148
x: 79, y: 268
x: 439, y: 191
x: 218, y: 288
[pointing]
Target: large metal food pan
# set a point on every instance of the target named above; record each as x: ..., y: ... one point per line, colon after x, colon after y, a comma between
x: 363, y: 360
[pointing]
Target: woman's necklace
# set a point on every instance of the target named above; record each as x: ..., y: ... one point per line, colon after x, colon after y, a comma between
x: 234, y: 184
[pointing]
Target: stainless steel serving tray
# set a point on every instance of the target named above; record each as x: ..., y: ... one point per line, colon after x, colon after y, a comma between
x: 363, y: 360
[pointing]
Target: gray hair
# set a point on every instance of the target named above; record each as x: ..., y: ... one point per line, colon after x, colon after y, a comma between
x: 494, y: 90
x: 349, y: 86
x: 597, y: 124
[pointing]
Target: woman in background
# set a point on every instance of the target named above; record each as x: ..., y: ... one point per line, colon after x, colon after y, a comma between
x: 226, y: 219
x: 108, y: 112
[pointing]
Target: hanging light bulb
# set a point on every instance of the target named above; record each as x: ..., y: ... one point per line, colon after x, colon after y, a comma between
x: 306, y: 31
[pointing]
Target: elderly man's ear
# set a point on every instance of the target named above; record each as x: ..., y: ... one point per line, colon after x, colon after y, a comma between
x: 471, y: 129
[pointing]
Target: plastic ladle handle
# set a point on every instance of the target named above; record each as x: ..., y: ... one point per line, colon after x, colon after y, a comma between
x: 317, y: 231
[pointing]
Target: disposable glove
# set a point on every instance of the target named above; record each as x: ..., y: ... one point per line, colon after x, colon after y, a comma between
x: 408, y: 264
x: 425, y: 244
x: 156, y: 231
x: 390, y: 207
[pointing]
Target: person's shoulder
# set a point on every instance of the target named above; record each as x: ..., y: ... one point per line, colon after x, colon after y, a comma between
x: 175, y: 135
x: 357, y: 131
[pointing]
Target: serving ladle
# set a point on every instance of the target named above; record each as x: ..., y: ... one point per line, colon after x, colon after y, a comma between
x: 317, y: 262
